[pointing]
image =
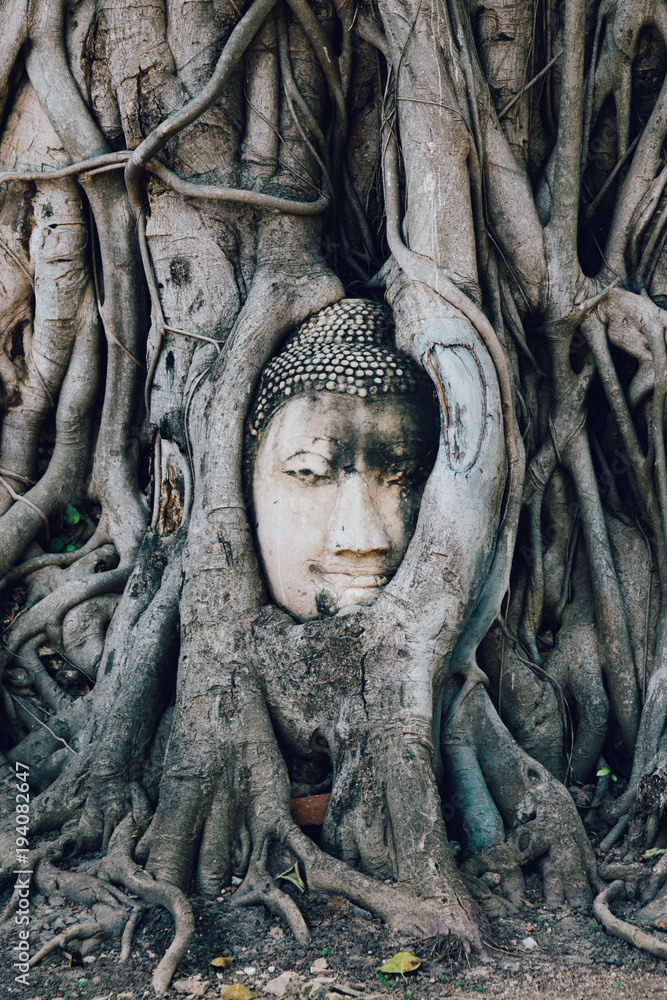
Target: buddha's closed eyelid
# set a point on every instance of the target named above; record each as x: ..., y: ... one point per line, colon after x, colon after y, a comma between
x: 307, y: 467
x: 405, y: 470
x: 400, y: 463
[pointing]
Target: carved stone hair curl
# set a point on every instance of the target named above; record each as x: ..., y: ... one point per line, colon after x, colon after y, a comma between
x: 348, y: 348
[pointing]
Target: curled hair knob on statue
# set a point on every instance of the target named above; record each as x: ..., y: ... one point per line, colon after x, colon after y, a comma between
x: 348, y: 348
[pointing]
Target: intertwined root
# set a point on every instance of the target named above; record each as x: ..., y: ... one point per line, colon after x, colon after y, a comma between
x: 621, y: 928
x: 536, y: 818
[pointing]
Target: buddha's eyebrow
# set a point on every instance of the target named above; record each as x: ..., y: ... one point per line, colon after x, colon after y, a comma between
x: 308, y: 451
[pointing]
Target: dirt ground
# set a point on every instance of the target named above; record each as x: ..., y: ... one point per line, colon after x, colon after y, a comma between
x: 573, y: 958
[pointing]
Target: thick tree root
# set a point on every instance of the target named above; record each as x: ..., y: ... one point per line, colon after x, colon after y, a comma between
x: 613, y: 836
x: 399, y: 906
x: 49, y: 850
x: 620, y: 928
x: 119, y: 867
x: 536, y: 810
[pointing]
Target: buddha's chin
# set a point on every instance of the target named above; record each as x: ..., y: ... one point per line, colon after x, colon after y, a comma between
x: 359, y: 595
x: 329, y: 601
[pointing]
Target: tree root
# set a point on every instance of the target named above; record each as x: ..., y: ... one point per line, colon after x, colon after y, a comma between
x: 614, y: 835
x: 656, y: 880
x: 400, y: 907
x: 620, y: 928
x: 57, y: 604
x: 491, y: 904
x: 216, y: 192
x: 86, y: 890
x: 126, y: 940
x: 229, y: 58
x: 259, y: 888
x: 49, y: 850
x: 119, y: 867
x: 80, y: 932
x: 61, y: 560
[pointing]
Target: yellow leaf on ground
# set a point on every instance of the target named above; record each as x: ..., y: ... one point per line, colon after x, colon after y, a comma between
x: 293, y: 875
x: 223, y: 962
x: 237, y: 991
x: 401, y: 963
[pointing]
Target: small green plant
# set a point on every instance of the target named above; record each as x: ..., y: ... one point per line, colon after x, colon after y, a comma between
x: 383, y: 981
x: 71, y: 515
x: 324, y: 952
x: 81, y: 982
x: 606, y: 770
x: 595, y: 927
x: 60, y: 545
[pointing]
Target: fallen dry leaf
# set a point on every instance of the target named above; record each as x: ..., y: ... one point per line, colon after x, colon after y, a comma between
x: 237, y: 991
x: 223, y: 962
x: 401, y: 963
x: 293, y: 875
x: 659, y: 924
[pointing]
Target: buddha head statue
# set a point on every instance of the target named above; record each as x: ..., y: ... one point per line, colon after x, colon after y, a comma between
x: 340, y: 440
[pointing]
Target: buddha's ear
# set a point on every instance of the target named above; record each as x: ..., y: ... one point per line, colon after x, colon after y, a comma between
x: 446, y: 345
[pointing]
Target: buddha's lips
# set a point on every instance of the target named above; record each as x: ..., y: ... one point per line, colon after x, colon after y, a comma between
x: 351, y: 581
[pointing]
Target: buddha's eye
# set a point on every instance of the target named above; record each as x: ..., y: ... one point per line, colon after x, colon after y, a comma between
x: 308, y: 468
x: 307, y: 476
x: 404, y: 475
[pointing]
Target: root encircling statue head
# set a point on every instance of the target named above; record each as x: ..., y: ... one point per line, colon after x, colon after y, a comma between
x: 340, y: 441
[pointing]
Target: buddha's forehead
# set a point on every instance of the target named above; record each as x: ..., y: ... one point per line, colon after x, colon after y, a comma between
x: 328, y: 423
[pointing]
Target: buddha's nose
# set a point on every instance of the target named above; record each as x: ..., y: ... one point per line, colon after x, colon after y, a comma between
x: 356, y: 524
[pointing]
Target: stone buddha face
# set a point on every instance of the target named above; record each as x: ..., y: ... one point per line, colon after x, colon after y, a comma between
x: 348, y: 436
x: 336, y: 489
